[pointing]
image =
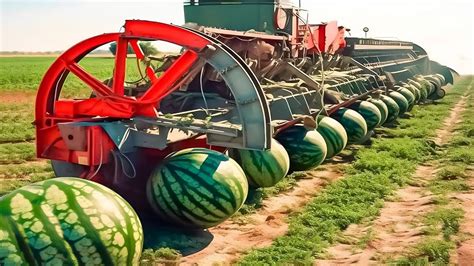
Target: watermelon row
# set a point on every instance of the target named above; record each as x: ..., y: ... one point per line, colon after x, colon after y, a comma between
x: 197, y: 188
x: 201, y: 188
x: 68, y: 221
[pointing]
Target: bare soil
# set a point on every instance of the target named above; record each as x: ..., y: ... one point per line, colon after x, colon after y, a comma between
x: 399, y: 226
x: 18, y: 97
x: 464, y: 255
x: 232, y: 239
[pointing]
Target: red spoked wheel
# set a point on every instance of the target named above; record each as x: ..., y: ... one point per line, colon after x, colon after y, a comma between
x: 81, y: 135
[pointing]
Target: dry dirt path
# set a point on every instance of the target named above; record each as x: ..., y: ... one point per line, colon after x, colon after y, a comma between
x: 231, y: 239
x: 464, y: 254
x: 398, y: 226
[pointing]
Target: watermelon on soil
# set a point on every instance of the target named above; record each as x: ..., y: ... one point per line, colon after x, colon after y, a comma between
x: 393, y: 108
x: 197, y: 188
x: 263, y: 168
x: 333, y: 133
x: 408, y: 96
x: 382, y: 108
x: 68, y: 221
x: 400, y: 100
x: 306, y: 148
x: 353, y: 123
x: 369, y: 112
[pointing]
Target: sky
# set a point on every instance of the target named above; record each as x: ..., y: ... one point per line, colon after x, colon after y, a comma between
x: 445, y: 28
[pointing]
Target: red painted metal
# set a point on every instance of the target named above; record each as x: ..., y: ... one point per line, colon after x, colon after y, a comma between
x: 108, y: 102
x: 120, y: 66
x: 98, y: 87
x: 165, y: 82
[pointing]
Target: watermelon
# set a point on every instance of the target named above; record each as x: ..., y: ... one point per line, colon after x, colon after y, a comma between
x: 382, y: 108
x: 434, y: 80
x: 306, y: 148
x: 353, y: 123
x: 393, y: 108
x: 400, y: 100
x: 431, y: 86
x: 197, y: 188
x: 441, y: 79
x: 408, y: 96
x: 263, y: 168
x: 369, y: 112
x: 422, y: 88
x: 415, y: 91
x: 68, y: 221
x: 333, y: 133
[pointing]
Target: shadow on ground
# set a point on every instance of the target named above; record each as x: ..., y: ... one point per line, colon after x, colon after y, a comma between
x: 159, y: 234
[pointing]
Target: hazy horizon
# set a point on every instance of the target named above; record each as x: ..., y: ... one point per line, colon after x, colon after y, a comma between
x: 443, y: 28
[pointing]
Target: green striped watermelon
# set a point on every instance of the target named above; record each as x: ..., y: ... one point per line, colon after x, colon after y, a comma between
x: 197, y: 188
x: 422, y: 88
x: 369, y: 112
x: 306, y: 148
x: 441, y: 78
x: 400, y: 100
x: 432, y: 79
x: 382, y: 108
x: 416, y: 92
x: 408, y: 96
x: 353, y: 123
x: 393, y: 108
x: 68, y: 221
x: 430, y: 86
x: 263, y: 168
x: 333, y: 133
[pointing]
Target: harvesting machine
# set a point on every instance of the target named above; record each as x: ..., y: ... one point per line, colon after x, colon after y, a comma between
x: 248, y: 72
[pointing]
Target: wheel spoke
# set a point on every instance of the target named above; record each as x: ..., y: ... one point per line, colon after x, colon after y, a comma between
x: 120, y: 64
x: 97, y: 86
x: 140, y: 55
x: 164, y: 85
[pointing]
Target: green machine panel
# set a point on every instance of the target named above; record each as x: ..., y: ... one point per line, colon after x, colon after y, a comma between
x: 242, y: 15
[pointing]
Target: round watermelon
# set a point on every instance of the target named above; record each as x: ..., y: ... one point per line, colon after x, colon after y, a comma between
x: 400, y: 100
x: 430, y: 86
x: 369, y: 112
x: 68, y: 221
x: 306, y: 148
x: 422, y: 88
x: 333, y: 133
x: 408, y: 96
x: 441, y: 79
x: 197, y: 188
x: 392, y: 107
x: 415, y: 91
x: 382, y: 109
x: 263, y: 168
x: 434, y: 80
x: 353, y: 123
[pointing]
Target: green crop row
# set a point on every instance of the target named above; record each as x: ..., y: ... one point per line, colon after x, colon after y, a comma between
x: 15, y: 176
x: 16, y: 153
x: 442, y: 225
x: 375, y: 174
x: 25, y: 73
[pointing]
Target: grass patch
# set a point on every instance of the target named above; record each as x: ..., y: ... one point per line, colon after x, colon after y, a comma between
x: 452, y: 172
x: 16, y: 153
x: 429, y: 252
x: 16, y: 176
x: 162, y: 256
x: 444, y: 219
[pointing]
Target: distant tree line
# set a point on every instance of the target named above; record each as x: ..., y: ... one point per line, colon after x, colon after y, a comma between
x: 147, y: 48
